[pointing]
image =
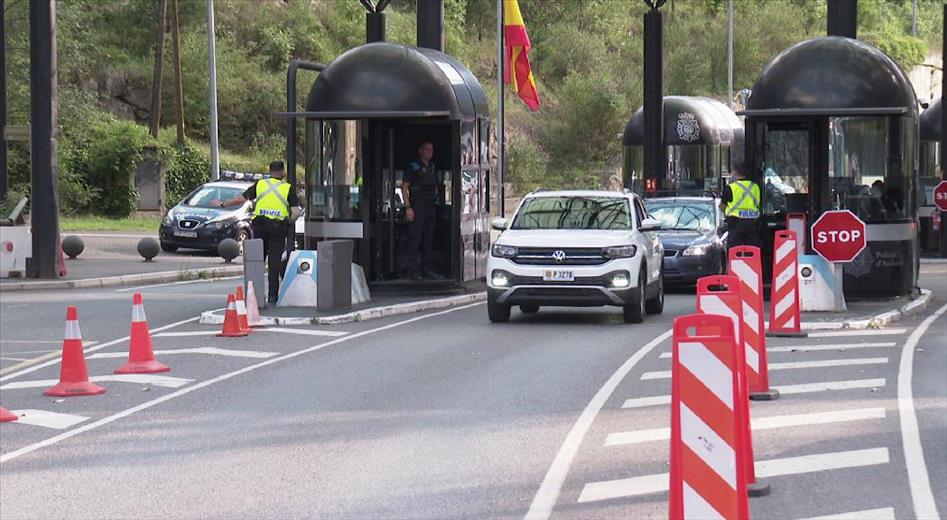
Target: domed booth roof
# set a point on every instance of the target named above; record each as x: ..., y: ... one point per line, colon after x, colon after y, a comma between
x: 386, y: 80
x: 831, y: 76
x: 689, y: 120
x: 931, y: 122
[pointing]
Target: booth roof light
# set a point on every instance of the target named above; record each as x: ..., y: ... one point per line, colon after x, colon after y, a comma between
x: 242, y: 176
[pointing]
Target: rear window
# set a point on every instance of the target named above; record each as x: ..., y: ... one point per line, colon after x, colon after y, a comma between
x: 573, y: 213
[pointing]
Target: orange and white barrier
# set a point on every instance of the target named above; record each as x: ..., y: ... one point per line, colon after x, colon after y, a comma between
x: 141, y: 355
x: 73, y: 374
x: 784, y: 317
x: 720, y: 295
x: 745, y: 263
x: 708, y: 470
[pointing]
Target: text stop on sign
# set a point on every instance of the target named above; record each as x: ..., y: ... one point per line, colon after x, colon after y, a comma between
x: 831, y: 236
x: 838, y: 236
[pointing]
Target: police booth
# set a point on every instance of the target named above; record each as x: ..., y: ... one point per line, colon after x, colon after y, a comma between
x: 366, y: 116
x: 701, y: 135
x: 832, y: 124
x: 929, y: 176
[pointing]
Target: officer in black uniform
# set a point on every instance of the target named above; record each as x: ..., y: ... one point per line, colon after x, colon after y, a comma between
x: 419, y: 189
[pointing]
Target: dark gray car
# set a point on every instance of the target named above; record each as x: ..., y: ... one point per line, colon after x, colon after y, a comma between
x: 694, y: 237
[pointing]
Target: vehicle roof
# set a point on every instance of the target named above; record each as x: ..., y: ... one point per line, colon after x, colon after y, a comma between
x: 229, y: 184
x: 580, y: 193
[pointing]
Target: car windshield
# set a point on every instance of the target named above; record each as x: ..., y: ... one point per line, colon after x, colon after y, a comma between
x: 573, y: 213
x: 697, y: 216
x: 202, y: 198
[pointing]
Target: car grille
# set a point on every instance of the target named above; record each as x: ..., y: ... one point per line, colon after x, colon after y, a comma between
x: 670, y: 252
x: 186, y: 223
x: 574, y: 256
x: 601, y: 281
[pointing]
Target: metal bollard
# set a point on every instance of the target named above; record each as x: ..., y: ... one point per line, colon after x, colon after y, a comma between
x: 253, y: 266
x: 334, y: 275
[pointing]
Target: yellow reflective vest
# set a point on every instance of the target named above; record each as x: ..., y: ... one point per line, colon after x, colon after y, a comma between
x: 746, y: 200
x: 272, y: 199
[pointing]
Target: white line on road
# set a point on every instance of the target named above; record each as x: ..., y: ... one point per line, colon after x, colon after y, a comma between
x: 306, y: 332
x: 666, y: 374
x: 47, y: 419
x: 757, y: 423
x: 807, y: 388
x: 885, y: 513
x: 6, y: 457
x: 213, y: 351
x: 815, y: 348
x: 142, y: 379
x: 548, y: 493
x: 185, y: 334
x: 857, y: 332
x: 649, y: 484
x: 918, y: 478
x: 7, y: 358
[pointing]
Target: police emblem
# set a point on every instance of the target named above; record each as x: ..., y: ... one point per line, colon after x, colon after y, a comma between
x: 687, y: 128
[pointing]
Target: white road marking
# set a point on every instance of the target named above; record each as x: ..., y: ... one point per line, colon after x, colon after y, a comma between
x: 548, y: 493
x: 857, y: 332
x: 305, y: 332
x: 47, y: 419
x: 213, y: 351
x: 6, y: 457
x: 7, y: 358
x: 808, y: 388
x: 648, y: 484
x: 641, y: 402
x: 181, y: 282
x: 814, y: 348
x: 187, y: 333
x: 918, y: 478
x: 666, y: 374
x: 885, y: 513
x: 142, y: 379
x: 757, y: 423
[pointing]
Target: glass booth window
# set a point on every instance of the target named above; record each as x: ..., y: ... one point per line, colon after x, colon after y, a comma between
x: 785, y: 170
x: 334, y: 170
x: 863, y: 177
x: 928, y: 173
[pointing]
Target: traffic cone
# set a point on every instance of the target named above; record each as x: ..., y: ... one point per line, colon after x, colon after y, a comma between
x: 241, y: 305
x: 73, y: 375
x: 253, y: 308
x: 7, y: 415
x: 141, y: 357
x: 231, y: 321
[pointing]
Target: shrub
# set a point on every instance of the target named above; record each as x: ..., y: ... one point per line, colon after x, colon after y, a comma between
x: 186, y: 168
x: 115, y: 151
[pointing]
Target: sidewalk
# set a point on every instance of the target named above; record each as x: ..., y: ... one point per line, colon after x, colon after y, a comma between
x: 866, y: 314
x: 112, y: 259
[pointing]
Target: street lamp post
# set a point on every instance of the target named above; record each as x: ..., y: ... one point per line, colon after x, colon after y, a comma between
x: 654, y: 151
x: 212, y: 58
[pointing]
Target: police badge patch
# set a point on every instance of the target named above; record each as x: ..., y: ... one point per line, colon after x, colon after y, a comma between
x: 687, y: 128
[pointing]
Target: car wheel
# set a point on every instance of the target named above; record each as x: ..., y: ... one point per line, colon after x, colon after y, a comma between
x: 498, y: 312
x: 634, y: 313
x: 168, y: 248
x: 655, y: 304
x: 529, y: 309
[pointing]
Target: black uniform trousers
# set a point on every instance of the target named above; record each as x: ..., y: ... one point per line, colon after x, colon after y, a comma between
x: 273, y: 233
x: 421, y: 237
x: 743, y: 232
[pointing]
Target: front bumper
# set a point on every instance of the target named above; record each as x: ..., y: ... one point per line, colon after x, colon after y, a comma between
x: 591, y: 287
x: 206, y: 238
x: 685, y: 270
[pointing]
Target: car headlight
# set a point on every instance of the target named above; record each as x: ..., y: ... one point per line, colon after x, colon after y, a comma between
x: 620, y: 251
x: 219, y: 224
x: 500, y: 279
x: 501, y: 251
x: 168, y: 219
x: 697, y: 250
x: 620, y: 280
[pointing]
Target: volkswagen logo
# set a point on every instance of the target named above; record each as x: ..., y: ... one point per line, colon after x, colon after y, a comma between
x: 559, y: 256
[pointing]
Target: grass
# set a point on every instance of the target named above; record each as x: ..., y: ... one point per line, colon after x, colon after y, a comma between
x: 147, y: 224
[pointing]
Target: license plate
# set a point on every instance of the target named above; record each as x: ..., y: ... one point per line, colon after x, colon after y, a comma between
x: 558, y: 276
x: 186, y: 234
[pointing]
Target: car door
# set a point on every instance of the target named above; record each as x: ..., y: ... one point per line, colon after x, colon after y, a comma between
x: 654, y: 251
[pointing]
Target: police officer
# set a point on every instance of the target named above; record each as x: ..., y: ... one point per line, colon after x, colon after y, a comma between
x: 419, y: 189
x: 741, y: 208
x: 275, y: 203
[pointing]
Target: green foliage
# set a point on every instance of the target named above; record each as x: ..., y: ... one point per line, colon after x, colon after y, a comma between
x: 526, y: 164
x: 186, y: 168
x: 115, y: 150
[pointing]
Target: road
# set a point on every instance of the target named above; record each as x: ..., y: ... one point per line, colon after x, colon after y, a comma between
x: 442, y: 415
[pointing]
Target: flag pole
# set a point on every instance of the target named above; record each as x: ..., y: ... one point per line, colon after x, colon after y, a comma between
x: 501, y: 190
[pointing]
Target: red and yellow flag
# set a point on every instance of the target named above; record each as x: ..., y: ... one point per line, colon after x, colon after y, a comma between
x: 518, y: 72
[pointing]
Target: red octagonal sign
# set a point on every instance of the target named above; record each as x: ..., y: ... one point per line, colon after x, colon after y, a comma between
x: 838, y: 236
x: 940, y: 195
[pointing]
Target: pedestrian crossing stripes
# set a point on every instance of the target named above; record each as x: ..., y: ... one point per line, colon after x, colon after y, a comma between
x: 666, y: 374
x: 214, y: 351
x: 857, y: 332
x: 142, y: 379
x: 884, y: 513
x: 658, y: 400
x: 817, y: 348
x: 47, y: 419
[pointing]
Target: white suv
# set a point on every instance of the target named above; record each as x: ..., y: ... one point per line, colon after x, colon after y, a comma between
x: 577, y: 248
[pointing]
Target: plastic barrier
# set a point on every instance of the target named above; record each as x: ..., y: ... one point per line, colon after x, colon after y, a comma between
x: 784, y: 317
x: 708, y: 425
x: 745, y: 262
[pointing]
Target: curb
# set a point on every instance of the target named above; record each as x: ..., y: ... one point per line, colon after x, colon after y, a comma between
x: 212, y: 318
x: 877, y: 321
x: 129, y: 279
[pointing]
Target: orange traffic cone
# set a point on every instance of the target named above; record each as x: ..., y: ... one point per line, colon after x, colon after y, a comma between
x: 141, y: 357
x: 253, y: 308
x: 231, y: 321
x: 241, y: 305
x: 73, y: 375
x: 7, y: 415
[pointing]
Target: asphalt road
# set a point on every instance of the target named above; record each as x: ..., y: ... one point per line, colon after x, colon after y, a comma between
x: 443, y: 415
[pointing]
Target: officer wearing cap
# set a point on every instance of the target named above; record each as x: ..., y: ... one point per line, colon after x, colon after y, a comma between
x: 275, y: 207
x: 740, y: 203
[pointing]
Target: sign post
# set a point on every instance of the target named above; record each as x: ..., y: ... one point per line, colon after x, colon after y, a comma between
x: 839, y: 236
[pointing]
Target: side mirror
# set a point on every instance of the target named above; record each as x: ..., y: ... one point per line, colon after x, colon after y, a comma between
x: 498, y: 223
x: 650, y: 224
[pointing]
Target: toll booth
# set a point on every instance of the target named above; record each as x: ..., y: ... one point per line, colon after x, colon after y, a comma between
x: 832, y: 124
x: 930, y: 160
x: 701, y: 135
x: 366, y: 116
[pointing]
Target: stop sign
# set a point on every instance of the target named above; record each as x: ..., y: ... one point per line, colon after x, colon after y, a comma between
x: 940, y: 196
x: 838, y: 236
